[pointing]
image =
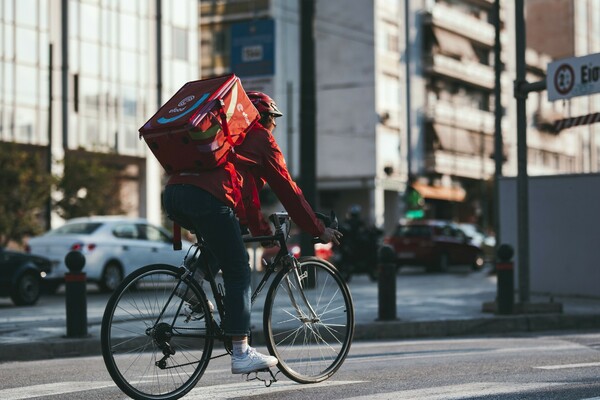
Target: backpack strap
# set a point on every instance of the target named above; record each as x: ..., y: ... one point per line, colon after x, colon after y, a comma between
x: 176, y: 236
x: 225, y: 125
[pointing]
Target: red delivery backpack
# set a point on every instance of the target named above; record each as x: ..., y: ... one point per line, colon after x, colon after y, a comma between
x: 200, y: 124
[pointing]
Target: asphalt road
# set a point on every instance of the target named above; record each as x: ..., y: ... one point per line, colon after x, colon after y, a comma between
x: 563, y: 366
x: 427, y: 305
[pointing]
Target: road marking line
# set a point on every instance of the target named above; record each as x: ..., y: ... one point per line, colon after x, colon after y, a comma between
x: 246, y: 389
x: 51, y: 389
x: 216, y: 392
x: 565, y: 366
x: 457, y: 392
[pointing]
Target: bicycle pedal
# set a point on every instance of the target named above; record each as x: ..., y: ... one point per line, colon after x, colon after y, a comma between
x: 267, y: 381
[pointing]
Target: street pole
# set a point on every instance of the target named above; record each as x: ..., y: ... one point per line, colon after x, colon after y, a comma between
x: 50, y: 133
x: 498, y: 140
x: 522, y: 179
x: 407, y: 61
x: 65, y: 71
x: 159, y: 53
x: 308, y: 146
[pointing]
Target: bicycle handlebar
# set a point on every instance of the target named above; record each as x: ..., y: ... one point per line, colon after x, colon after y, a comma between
x: 280, y: 218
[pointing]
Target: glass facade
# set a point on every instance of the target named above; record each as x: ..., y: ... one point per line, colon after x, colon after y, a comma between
x: 111, y: 68
x: 24, y: 71
x: 112, y: 84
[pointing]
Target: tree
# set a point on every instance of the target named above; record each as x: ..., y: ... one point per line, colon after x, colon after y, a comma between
x: 89, y: 186
x: 25, y: 188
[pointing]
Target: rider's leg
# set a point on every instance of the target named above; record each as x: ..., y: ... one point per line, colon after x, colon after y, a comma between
x: 219, y: 227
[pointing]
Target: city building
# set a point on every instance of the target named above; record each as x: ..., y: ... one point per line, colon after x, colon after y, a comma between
x: 405, y: 97
x: 81, y: 76
x: 574, y: 27
x: 405, y: 90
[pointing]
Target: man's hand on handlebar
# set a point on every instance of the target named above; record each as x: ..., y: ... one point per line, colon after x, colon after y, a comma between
x: 331, y: 235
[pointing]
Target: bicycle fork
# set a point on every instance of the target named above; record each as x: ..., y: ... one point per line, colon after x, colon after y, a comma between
x: 295, y: 281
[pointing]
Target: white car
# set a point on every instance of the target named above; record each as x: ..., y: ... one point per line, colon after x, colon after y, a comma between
x: 113, y: 246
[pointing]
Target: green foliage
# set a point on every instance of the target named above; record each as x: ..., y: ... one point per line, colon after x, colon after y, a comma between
x: 89, y: 186
x: 25, y: 187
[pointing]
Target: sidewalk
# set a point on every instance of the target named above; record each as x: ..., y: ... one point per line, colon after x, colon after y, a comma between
x: 428, y: 305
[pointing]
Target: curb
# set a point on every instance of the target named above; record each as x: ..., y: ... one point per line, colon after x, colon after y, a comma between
x: 63, y: 347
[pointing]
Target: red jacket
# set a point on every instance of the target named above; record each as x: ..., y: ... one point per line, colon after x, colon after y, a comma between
x: 256, y: 160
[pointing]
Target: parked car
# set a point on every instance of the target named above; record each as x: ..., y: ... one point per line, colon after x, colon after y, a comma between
x: 113, y: 247
x: 21, y: 275
x: 436, y: 245
x: 487, y: 243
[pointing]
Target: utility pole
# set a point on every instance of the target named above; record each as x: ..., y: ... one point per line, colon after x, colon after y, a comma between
x: 65, y: 71
x: 308, y: 147
x: 521, y: 90
x: 498, y: 140
x: 159, y: 53
x: 50, y: 133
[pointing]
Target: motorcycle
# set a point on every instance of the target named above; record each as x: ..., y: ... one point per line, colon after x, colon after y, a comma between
x: 358, y: 252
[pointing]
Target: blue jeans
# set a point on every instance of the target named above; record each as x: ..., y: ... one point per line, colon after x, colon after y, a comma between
x: 198, y: 210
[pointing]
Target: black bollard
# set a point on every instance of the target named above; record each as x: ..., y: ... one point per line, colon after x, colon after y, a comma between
x: 505, y: 273
x: 387, y: 284
x: 75, y: 295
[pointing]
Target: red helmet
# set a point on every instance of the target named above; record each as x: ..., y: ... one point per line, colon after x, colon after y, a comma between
x: 263, y: 103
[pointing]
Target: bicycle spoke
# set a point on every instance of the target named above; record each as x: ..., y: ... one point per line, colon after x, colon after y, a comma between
x: 148, y: 348
x: 309, y: 326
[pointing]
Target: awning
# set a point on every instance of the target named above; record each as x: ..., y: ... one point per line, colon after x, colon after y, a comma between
x: 441, y: 192
x: 452, y: 44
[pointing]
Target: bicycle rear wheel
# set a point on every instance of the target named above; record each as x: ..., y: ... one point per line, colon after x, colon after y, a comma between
x: 150, y: 348
x: 310, y: 347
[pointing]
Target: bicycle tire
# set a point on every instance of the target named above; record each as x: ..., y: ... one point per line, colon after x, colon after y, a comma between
x: 132, y: 337
x: 309, y: 351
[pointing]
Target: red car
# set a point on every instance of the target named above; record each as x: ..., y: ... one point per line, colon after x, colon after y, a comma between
x: 435, y: 245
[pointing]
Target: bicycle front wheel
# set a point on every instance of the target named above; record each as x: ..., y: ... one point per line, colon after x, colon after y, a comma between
x: 152, y: 348
x: 309, y: 320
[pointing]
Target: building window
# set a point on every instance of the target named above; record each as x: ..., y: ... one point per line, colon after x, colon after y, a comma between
x: 180, y: 43
x: 220, y: 44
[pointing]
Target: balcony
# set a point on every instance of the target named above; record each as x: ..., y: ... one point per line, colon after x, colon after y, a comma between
x: 466, y: 71
x: 464, y: 166
x: 461, y: 116
x: 456, y: 21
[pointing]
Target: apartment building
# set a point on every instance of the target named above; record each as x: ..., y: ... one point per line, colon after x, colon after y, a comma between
x: 81, y: 76
x: 574, y: 27
x: 405, y: 89
x: 405, y: 93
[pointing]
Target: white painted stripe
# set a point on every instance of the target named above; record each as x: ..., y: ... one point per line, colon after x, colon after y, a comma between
x: 199, y: 392
x: 457, y: 392
x: 231, y: 391
x: 51, y: 389
x: 565, y: 366
x: 361, y: 358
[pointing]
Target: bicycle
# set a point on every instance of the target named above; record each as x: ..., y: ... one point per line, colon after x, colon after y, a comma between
x: 154, y: 349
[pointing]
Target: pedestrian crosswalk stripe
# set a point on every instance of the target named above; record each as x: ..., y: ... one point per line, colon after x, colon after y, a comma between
x: 215, y: 392
x: 246, y: 389
x: 565, y: 366
x: 51, y: 389
x: 458, y: 392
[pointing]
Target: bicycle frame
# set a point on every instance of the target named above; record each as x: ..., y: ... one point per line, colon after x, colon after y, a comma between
x: 283, y: 258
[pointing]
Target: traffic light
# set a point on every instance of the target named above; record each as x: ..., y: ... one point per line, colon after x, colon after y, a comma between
x: 414, y: 204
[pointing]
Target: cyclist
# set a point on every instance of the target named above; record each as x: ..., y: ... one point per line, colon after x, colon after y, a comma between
x: 207, y: 202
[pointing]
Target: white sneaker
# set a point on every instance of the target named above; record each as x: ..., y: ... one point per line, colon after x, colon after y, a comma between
x: 251, y: 361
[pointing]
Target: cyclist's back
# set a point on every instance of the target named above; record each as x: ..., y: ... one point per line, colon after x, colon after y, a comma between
x: 205, y: 202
